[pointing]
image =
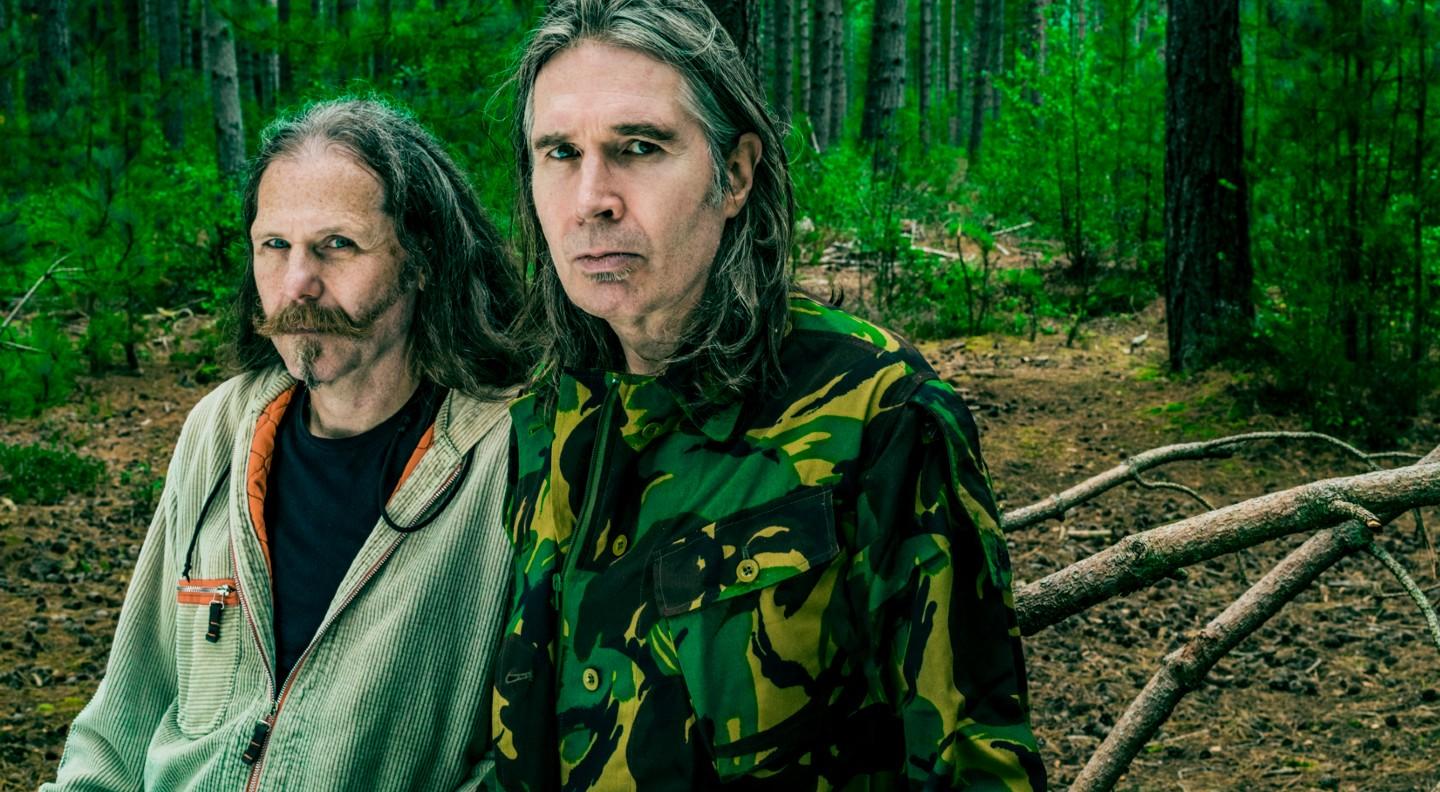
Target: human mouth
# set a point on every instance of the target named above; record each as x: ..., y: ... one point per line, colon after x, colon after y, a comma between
x: 607, y: 262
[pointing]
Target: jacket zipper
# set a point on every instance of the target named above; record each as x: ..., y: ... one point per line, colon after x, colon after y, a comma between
x: 254, y: 754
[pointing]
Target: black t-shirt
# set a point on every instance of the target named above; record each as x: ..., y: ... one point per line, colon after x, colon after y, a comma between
x: 321, y: 504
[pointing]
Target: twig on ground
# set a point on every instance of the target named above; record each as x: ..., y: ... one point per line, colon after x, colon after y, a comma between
x: 1057, y: 504
x: 1411, y: 587
x: 1013, y: 228
x: 1170, y: 485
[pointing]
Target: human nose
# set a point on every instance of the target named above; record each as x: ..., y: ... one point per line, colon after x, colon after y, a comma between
x: 301, y: 281
x: 599, y: 196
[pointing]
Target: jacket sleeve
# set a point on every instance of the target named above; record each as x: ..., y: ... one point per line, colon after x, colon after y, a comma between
x: 955, y: 671
x: 106, y: 746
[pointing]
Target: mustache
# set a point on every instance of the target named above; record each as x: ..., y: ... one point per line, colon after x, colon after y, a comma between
x: 311, y: 318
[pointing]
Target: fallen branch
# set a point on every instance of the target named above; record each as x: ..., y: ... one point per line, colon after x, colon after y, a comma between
x: 1411, y: 587
x: 1013, y: 228
x: 1056, y: 505
x: 1184, y: 669
x: 49, y: 272
x: 1170, y: 485
x: 1143, y: 558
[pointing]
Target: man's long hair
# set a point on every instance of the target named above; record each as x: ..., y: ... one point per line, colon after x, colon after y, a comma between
x: 730, y: 343
x: 471, y: 290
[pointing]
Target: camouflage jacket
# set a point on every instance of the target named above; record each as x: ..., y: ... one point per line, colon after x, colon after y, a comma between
x: 805, y: 590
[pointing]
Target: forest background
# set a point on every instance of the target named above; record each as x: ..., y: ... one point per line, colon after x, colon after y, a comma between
x: 1258, y: 178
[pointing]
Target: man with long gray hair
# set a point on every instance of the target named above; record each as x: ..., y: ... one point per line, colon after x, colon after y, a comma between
x: 756, y: 539
x: 329, y: 541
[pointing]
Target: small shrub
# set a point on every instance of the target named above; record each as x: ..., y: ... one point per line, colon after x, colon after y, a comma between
x: 35, y: 474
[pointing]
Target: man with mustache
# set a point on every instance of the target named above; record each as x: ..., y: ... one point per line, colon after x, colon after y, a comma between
x: 757, y: 544
x: 318, y: 598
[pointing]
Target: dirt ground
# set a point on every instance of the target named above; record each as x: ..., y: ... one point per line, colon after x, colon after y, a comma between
x: 1339, y: 691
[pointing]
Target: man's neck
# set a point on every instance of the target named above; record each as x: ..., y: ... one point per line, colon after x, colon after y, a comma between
x: 355, y: 404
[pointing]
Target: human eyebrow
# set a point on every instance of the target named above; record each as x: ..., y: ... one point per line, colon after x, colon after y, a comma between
x: 550, y: 140
x: 643, y: 130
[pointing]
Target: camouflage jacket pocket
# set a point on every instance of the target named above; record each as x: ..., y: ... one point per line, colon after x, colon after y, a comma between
x: 207, y: 652
x: 745, y: 603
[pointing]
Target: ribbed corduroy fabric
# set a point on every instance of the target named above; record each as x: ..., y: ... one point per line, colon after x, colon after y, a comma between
x: 394, y: 692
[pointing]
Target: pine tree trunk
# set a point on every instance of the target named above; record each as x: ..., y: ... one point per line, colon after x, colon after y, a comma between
x: 132, y: 64
x: 224, y: 93
x: 286, y: 78
x: 980, y: 76
x: 270, y: 62
x: 926, y: 66
x: 782, y: 19
x: 172, y: 98
x: 202, y: 32
x: 997, y: 57
x: 885, y: 83
x: 803, y: 36
x: 1035, y: 45
x: 187, y: 42
x: 821, y: 74
x: 954, y: 75
x: 1420, y: 289
x: 839, y: 71
x: 49, y: 73
x: 1208, y: 275
x: 7, y: 62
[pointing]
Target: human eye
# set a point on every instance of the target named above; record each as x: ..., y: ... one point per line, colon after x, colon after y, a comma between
x: 275, y: 244
x: 337, y: 243
x: 640, y: 147
x: 562, y: 152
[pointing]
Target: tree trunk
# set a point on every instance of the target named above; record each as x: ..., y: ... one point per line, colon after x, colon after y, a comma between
x: 821, y: 74
x: 132, y: 65
x: 926, y: 66
x: 286, y: 78
x: 980, y: 75
x: 7, y: 62
x: 803, y: 36
x: 885, y: 83
x: 782, y: 18
x: 839, y: 72
x: 997, y: 58
x: 381, y: 56
x: 224, y: 93
x: 49, y: 73
x: 270, y: 60
x: 954, y: 74
x: 1208, y: 274
x: 1037, y: 44
x: 1420, y: 288
x: 739, y: 20
x: 172, y: 98
x: 202, y: 33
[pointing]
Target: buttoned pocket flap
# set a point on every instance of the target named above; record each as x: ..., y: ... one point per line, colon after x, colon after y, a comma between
x: 733, y: 557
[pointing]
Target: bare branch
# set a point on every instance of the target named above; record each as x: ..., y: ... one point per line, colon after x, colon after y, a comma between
x: 1350, y: 511
x: 49, y: 272
x: 1056, y: 505
x: 1411, y: 587
x: 1170, y: 485
x: 1184, y: 669
x: 1140, y: 559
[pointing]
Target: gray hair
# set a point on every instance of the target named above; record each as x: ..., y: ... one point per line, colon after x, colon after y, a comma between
x: 731, y: 341
x: 472, y: 292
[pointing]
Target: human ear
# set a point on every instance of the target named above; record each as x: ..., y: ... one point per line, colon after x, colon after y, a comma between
x: 740, y: 170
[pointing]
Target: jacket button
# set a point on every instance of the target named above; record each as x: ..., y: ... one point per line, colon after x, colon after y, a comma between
x: 747, y: 570
x: 620, y: 545
x: 651, y: 431
x: 590, y: 679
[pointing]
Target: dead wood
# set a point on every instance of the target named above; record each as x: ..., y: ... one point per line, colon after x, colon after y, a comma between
x: 1143, y: 558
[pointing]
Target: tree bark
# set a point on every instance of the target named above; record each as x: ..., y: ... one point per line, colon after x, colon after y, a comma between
x: 1037, y: 44
x: 285, y: 85
x: 224, y: 93
x: 885, y: 82
x: 980, y: 75
x: 820, y: 74
x: 839, y: 72
x: 1419, y: 346
x: 782, y: 19
x: 925, y: 67
x: 803, y: 58
x: 270, y: 59
x: 49, y: 74
x: 1208, y: 273
x: 954, y: 75
x: 168, y: 58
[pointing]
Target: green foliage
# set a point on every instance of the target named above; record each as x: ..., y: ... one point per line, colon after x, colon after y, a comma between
x: 39, y: 375
x: 35, y: 474
x: 144, y: 487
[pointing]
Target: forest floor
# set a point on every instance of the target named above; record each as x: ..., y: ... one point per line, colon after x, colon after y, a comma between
x: 1339, y: 691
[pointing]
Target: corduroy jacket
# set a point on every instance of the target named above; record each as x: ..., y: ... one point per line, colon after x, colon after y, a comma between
x: 392, y: 693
